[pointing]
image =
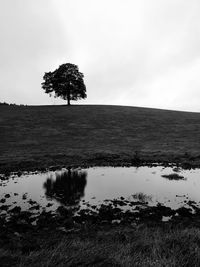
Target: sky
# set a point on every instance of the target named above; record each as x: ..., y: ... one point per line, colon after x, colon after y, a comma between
x: 131, y: 52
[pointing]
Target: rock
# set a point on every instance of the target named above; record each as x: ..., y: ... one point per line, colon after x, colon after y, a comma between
x: 16, y: 209
x: 4, y: 207
x: 49, y: 205
x: 19, y: 173
x: 31, y: 202
x: 184, y: 212
x: 37, y: 207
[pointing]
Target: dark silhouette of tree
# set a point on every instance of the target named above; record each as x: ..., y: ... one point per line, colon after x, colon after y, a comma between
x: 68, y: 187
x: 65, y: 82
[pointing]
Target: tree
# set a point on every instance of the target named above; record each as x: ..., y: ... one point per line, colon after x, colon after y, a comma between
x: 65, y: 82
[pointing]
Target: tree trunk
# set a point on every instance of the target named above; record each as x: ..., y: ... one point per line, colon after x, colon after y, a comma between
x: 68, y: 97
x: 68, y: 101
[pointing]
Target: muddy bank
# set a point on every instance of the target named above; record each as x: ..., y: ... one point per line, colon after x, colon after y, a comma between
x: 110, y: 212
x: 19, y: 231
x: 53, y: 162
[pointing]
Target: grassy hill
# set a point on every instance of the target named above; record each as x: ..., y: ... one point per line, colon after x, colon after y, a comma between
x: 40, y: 136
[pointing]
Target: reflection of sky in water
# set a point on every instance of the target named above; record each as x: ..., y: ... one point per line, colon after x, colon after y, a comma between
x: 107, y: 183
x: 100, y: 183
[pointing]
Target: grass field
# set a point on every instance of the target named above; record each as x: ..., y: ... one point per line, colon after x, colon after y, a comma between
x: 117, y: 246
x: 42, y: 136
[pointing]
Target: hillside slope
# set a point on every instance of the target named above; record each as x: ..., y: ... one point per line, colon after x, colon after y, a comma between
x: 47, y: 135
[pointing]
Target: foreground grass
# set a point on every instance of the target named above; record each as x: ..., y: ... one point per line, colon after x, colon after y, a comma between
x: 140, y: 246
x: 42, y: 136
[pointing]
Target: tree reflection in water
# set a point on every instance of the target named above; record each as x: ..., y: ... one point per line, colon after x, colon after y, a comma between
x: 67, y: 187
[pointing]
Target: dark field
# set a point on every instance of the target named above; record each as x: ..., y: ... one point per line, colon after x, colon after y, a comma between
x: 138, y: 246
x: 42, y: 136
x: 36, y: 138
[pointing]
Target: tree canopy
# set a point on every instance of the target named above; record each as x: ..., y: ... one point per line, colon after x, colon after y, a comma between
x: 65, y: 82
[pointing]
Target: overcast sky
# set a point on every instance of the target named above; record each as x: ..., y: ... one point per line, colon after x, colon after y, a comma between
x: 132, y: 52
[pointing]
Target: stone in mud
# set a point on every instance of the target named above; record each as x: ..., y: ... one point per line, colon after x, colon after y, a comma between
x: 121, y: 202
x: 31, y: 202
x: 7, y: 195
x: 86, y: 215
x: 29, y: 217
x: 184, y: 212
x: 4, y: 207
x: 7, y: 173
x: 163, y: 210
x: 106, y: 213
x: 155, y: 213
x: 2, y: 200
x: 16, y: 209
x: 116, y: 210
x: 191, y: 202
x: 49, y: 205
x: 36, y: 207
x: 135, y: 203
x: 19, y: 173
x: 173, y: 176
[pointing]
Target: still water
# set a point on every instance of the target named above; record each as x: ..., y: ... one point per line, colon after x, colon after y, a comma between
x: 77, y: 188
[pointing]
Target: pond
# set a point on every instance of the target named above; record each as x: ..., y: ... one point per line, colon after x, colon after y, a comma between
x: 81, y: 188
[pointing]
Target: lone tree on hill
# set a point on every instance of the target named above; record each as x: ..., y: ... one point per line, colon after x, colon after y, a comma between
x: 65, y: 82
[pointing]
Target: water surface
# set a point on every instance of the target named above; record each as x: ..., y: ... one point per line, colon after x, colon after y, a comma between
x: 81, y: 187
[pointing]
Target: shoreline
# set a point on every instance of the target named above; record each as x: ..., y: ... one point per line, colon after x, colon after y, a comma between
x: 185, y: 161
